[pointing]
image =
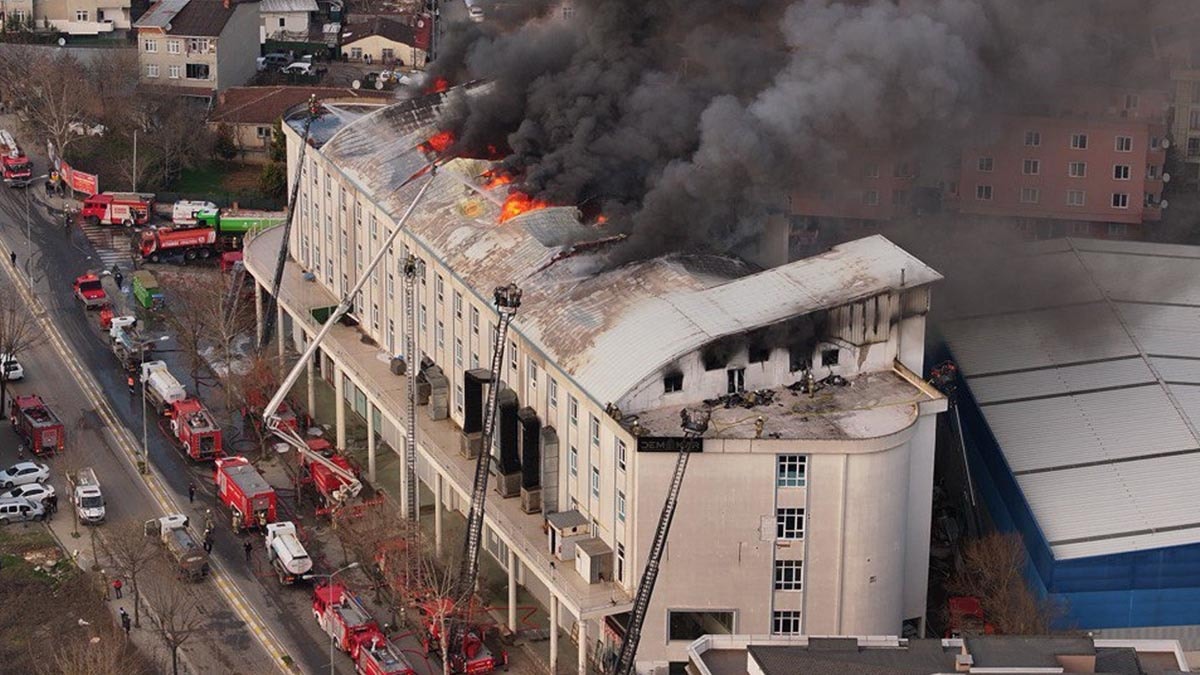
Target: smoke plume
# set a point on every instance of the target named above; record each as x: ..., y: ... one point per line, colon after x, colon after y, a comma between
x: 687, y: 122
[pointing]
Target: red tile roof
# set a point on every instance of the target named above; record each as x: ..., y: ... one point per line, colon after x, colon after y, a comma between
x: 264, y: 105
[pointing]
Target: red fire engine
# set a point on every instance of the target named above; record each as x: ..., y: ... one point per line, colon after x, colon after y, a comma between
x: 90, y: 291
x: 474, y: 659
x: 378, y: 656
x: 37, y: 425
x: 326, y: 479
x: 118, y: 208
x: 342, y: 616
x: 16, y: 166
x: 243, y: 489
x: 190, y: 243
x: 195, y: 430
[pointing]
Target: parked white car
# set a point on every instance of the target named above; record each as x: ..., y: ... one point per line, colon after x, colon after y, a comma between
x: 34, y: 492
x: 23, y: 473
x: 20, y: 510
x: 272, y: 61
x: 13, y: 370
x: 298, y: 68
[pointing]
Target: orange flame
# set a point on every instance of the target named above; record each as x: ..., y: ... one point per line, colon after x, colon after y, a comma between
x: 519, y: 202
x: 439, y: 142
x: 495, y: 179
x: 601, y: 219
x: 439, y: 85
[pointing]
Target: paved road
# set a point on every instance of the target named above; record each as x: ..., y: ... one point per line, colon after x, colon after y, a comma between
x: 55, y: 261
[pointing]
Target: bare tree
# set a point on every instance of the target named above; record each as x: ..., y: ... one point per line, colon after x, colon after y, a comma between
x: 209, y: 320
x: 106, y: 652
x: 51, y: 90
x: 993, y: 571
x: 176, y: 620
x: 18, y: 332
x: 130, y: 551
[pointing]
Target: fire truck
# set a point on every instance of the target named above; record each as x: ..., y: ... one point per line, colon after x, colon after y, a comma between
x: 16, y: 166
x: 118, y: 208
x: 287, y: 555
x: 89, y: 291
x: 37, y: 425
x: 181, y: 245
x: 330, y: 477
x: 162, y: 389
x: 472, y: 656
x: 194, y: 429
x: 378, y: 656
x: 342, y: 616
x: 247, y: 494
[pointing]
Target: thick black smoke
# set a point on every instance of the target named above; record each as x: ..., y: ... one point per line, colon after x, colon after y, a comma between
x: 686, y: 122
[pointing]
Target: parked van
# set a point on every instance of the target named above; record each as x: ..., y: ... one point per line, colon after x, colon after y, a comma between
x: 12, y: 368
x: 19, y: 510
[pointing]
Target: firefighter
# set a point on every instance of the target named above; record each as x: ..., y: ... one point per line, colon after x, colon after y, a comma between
x: 208, y: 541
x: 117, y: 277
x: 125, y: 622
x: 132, y: 384
x: 248, y: 548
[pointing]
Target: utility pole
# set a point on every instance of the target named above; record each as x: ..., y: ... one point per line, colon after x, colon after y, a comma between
x: 133, y: 176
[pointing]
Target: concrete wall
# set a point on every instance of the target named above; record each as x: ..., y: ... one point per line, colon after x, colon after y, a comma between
x: 238, y: 47
x: 374, y: 45
x: 293, y: 23
x: 103, y: 16
x: 154, y: 48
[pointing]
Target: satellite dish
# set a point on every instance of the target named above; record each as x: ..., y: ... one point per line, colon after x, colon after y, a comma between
x: 420, y: 23
x: 1165, y: 144
x: 1162, y: 204
x: 1166, y: 177
x: 62, y: 42
x: 379, y: 83
x: 357, y: 84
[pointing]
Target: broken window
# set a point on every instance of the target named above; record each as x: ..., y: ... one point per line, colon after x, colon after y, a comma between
x: 717, y: 354
x: 673, y: 383
x: 829, y: 357
x: 737, y: 380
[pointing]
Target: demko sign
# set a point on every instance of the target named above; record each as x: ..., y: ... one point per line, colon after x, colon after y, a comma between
x: 669, y: 444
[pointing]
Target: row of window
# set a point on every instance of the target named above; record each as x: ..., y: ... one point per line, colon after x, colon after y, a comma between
x: 1033, y: 167
x: 1120, y: 200
x: 194, y: 71
x: 173, y: 46
x: 1033, y: 139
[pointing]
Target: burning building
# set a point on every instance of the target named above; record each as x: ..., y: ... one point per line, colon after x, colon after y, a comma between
x: 806, y: 507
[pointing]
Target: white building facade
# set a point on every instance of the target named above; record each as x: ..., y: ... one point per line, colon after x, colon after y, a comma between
x: 801, y: 512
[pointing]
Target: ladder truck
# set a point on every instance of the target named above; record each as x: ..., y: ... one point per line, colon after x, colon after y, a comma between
x: 695, y: 423
x: 277, y: 423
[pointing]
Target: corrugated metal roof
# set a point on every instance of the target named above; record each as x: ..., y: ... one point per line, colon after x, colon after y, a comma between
x: 160, y: 14
x: 1092, y: 395
x: 609, y: 327
x: 282, y: 6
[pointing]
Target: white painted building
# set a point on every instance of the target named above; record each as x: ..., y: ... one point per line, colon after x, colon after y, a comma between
x: 815, y: 519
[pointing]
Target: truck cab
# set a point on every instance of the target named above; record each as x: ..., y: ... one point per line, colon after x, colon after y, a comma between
x: 172, y: 531
x: 286, y: 553
x: 89, y: 291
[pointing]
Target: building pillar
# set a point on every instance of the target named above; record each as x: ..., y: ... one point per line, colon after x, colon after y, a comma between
x: 279, y: 324
x: 339, y: 405
x: 258, y: 313
x: 371, y: 441
x: 512, y: 590
x: 438, y: 496
x: 553, y: 633
x: 583, y: 646
x: 312, y: 385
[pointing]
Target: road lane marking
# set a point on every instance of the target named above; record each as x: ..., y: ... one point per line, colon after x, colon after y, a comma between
x: 124, y: 440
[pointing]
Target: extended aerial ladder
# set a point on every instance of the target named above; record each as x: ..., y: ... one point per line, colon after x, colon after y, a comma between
x: 273, y: 422
x: 508, y: 300
x: 412, y: 267
x: 270, y: 309
x: 695, y: 423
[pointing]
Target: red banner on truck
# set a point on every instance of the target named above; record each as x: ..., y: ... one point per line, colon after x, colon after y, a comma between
x: 87, y: 183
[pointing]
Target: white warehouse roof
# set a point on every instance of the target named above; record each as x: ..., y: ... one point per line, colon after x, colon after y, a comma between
x: 1089, y: 378
x: 607, y: 326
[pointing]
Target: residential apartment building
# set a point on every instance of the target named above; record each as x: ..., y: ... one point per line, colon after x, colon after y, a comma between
x: 198, y: 47
x: 1095, y: 168
x: 286, y: 20
x: 77, y: 17
x: 800, y: 510
x: 1175, y: 23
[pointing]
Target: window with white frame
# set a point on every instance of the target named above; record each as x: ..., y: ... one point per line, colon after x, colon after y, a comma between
x: 1075, y: 197
x: 174, y: 72
x: 1030, y: 195
x: 81, y: 15
x: 1117, y: 229
x: 422, y: 318
x: 1033, y: 138
x: 1131, y: 101
x: 440, y: 286
x: 531, y: 366
x: 1077, y: 169
x: 785, y: 622
x: 983, y: 193
x: 1121, y: 172
x: 440, y: 334
x: 620, y: 506
x: 620, y: 562
x: 986, y: 164
x: 1152, y: 171
x: 373, y: 225
x: 622, y: 454
x: 789, y: 575
x: 1124, y: 144
x: 872, y: 170
x: 1120, y: 200
x: 152, y: 70
x: 151, y: 46
x: 512, y: 355
x: 391, y: 285
x: 475, y: 320
x: 458, y: 352
x: 1079, y: 141
x: 1031, y: 167
x: 573, y: 461
x: 595, y: 482
x: 458, y: 302
x: 573, y: 410
x: 871, y: 198
x: 789, y: 523
x: 594, y: 426
x: 458, y: 399
x: 174, y: 47
x: 790, y: 471
x: 197, y: 44
x: 552, y: 393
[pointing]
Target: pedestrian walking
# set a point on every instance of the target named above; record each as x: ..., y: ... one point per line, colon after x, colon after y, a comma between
x: 117, y: 584
x: 120, y: 280
x: 191, y: 493
x: 53, y: 504
x: 247, y: 547
x: 126, y: 623
x: 208, y: 541
x: 12, y: 255
x: 132, y: 384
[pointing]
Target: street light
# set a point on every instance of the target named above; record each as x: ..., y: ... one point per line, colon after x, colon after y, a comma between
x: 28, y: 237
x: 330, y: 577
x: 144, y: 461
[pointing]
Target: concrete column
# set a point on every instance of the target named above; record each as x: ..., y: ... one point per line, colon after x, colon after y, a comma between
x: 312, y: 387
x: 553, y: 633
x: 279, y: 324
x: 512, y: 590
x: 371, y: 441
x: 258, y: 313
x: 438, y: 496
x: 339, y: 406
x: 583, y: 645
